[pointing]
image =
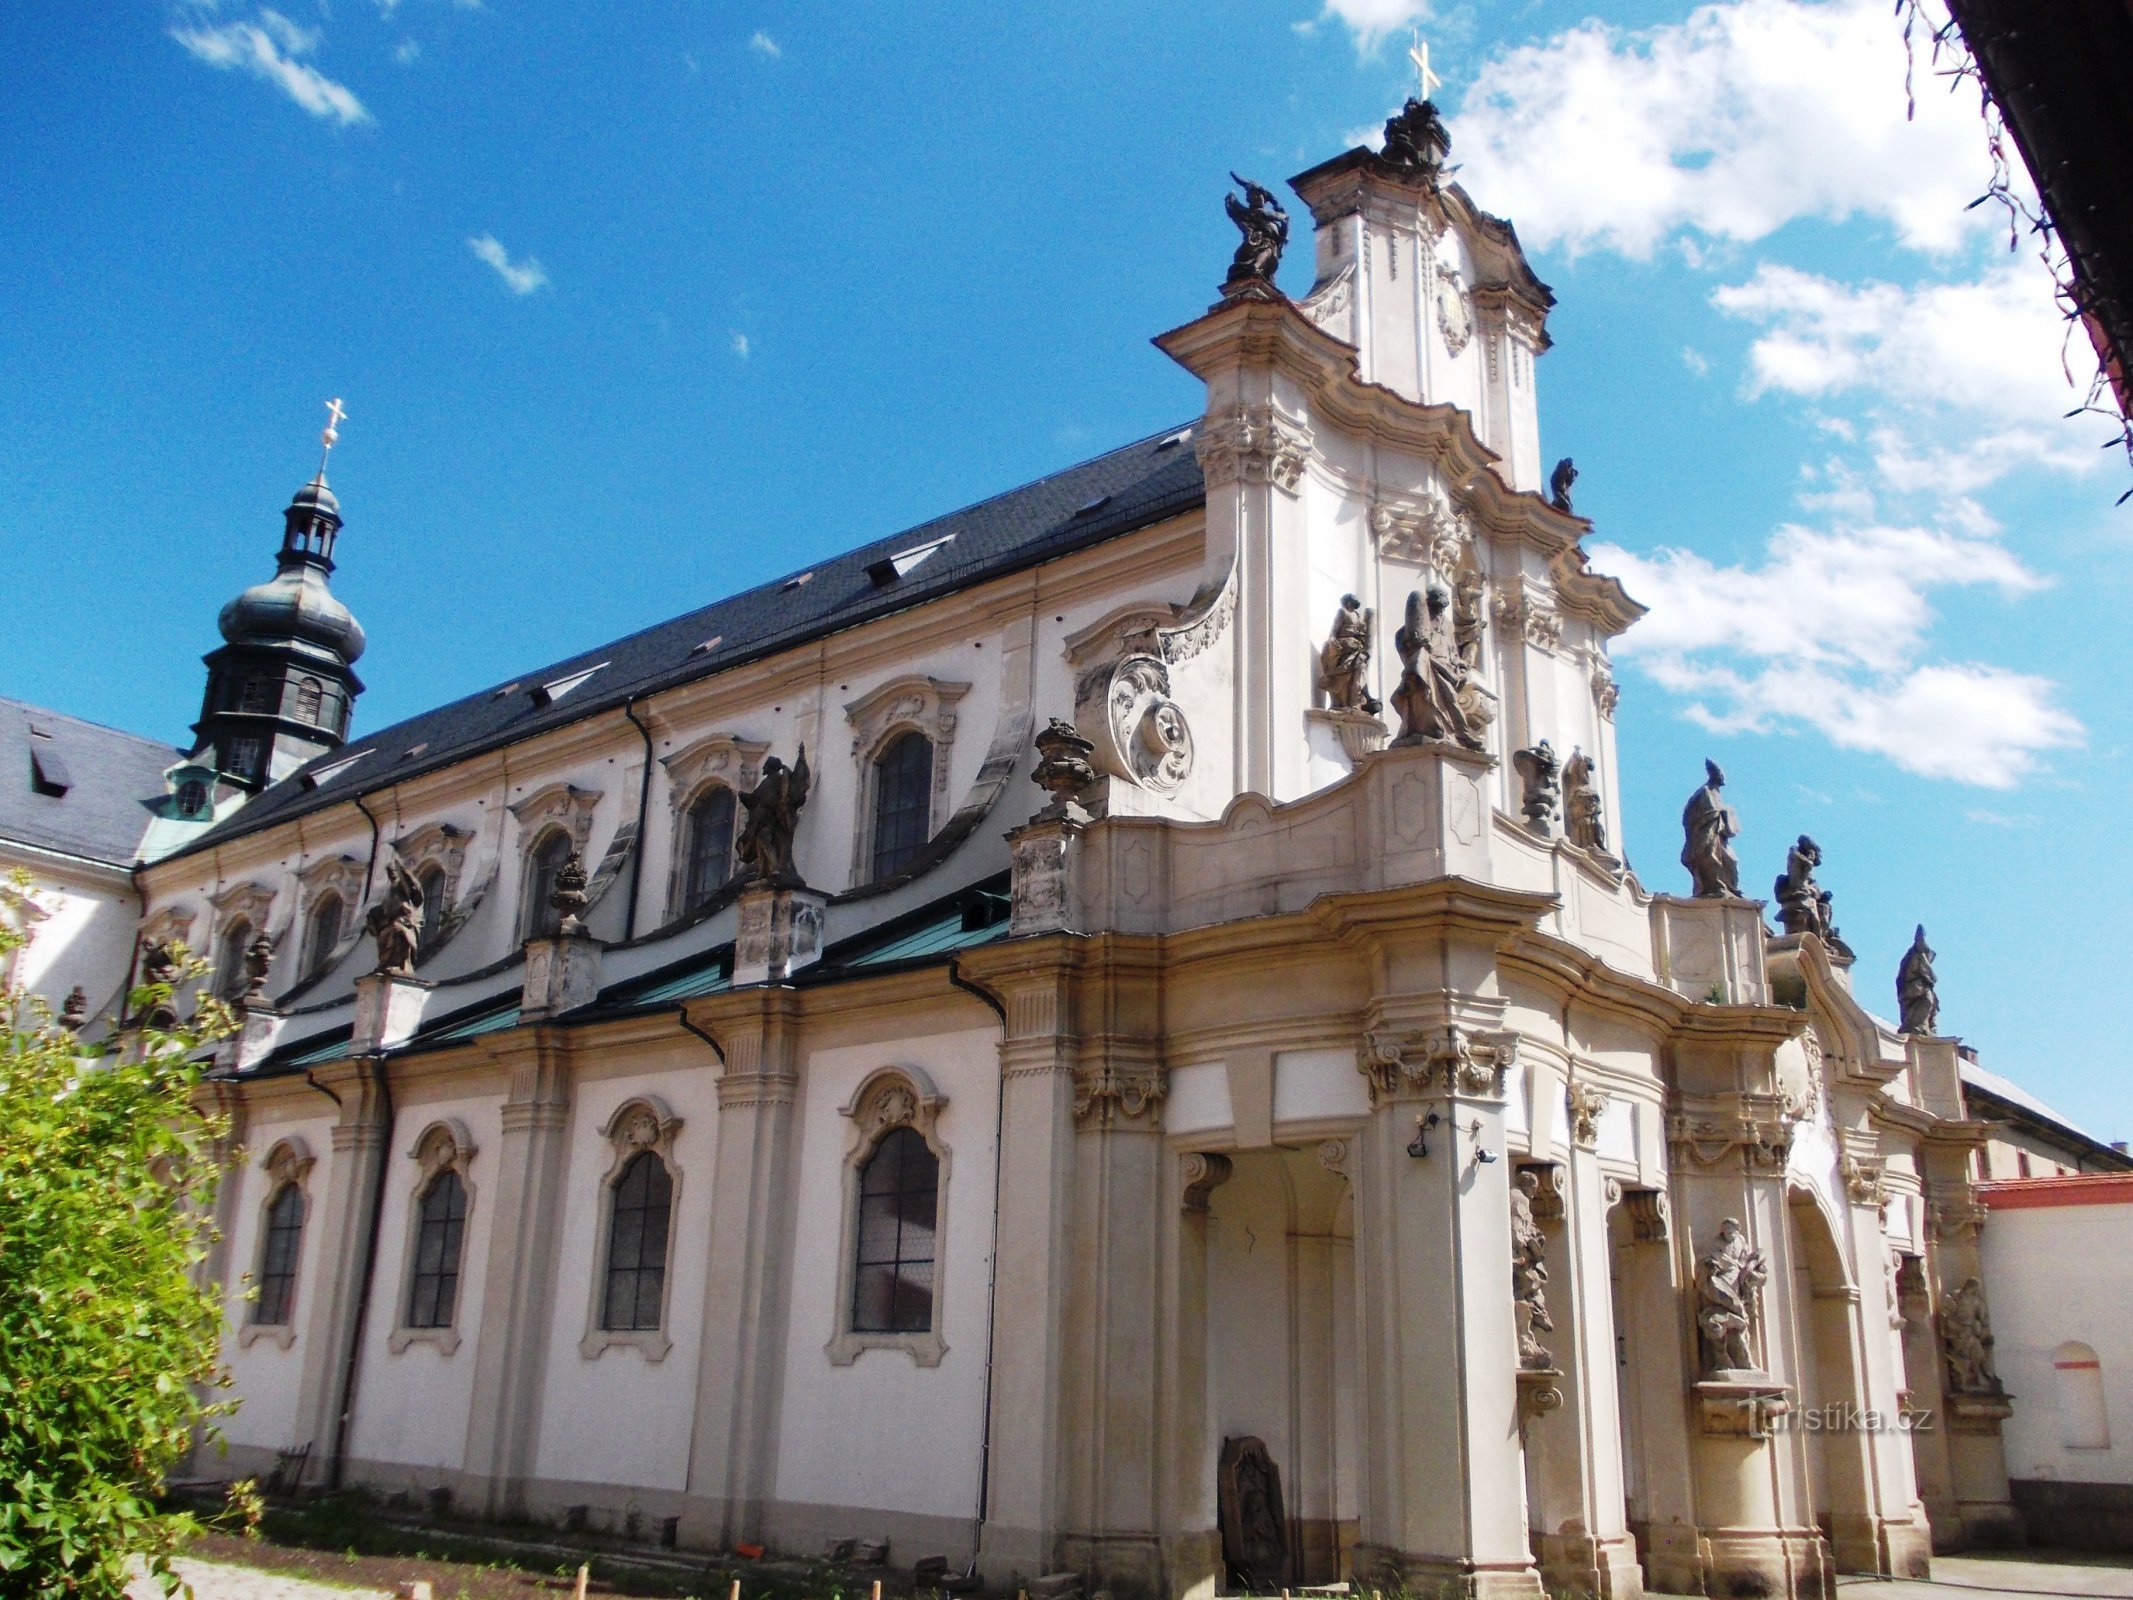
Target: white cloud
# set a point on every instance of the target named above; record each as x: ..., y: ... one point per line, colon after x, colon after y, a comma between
x: 1372, y: 20
x: 1829, y: 631
x: 1696, y: 361
x: 520, y: 277
x: 739, y: 345
x: 763, y: 44
x: 1730, y: 124
x: 268, y: 49
x: 407, y: 52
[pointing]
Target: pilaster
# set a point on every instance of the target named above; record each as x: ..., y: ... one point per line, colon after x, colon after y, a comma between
x: 511, y: 1345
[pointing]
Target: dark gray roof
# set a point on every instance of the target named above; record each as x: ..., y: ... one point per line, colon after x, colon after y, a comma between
x: 107, y: 780
x: 1114, y: 494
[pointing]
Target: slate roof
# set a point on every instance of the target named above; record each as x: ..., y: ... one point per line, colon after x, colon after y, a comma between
x: 109, y: 780
x: 1114, y: 494
x: 1991, y: 1085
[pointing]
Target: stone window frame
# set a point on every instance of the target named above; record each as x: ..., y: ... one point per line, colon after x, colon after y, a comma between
x: 641, y: 1122
x: 721, y: 759
x: 889, y: 1098
x: 289, y: 1163
x: 437, y: 847
x: 341, y: 875
x: 912, y: 702
x: 443, y: 1146
x: 552, y: 806
x: 250, y: 904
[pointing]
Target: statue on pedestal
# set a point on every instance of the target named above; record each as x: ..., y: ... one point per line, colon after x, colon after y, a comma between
x: 1803, y: 904
x: 1529, y: 1276
x: 1726, y: 1283
x: 1344, y: 660
x: 258, y: 962
x: 1918, y: 1002
x: 773, y: 819
x: 395, y: 922
x: 1966, y: 1341
x: 1710, y: 826
x: 1428, y: 699
x: 1559, y: 482
x: 1584, y: 818
x: 568, y: 898
x: 1265, y: 226
x: 1537, y: 768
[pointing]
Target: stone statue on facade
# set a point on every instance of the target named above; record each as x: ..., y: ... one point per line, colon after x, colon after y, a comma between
x: 568, y: 898
x: 1727, y: 1279
x: 74, y: 1010
x: 1415, y: 141
x: 1966, y: 1341
x: 1344, y: 659
x: 773, y: 820
x: 1710, y: 826
x: 1559, y: 482
x: 1431, y: 706
x: 1584, y: 818
x: 1803, y: 904
x: 1917, y: 1000
x: 1063, y: 767
x: 1538, y: 769
x: 1254, y: 1526
x: 1265, y: 226
x: 1529, y: 1275
x: 395, y: 922
x: 258, y: 962
x: 160, y: 967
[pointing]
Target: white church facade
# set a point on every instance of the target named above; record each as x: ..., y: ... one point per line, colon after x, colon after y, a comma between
x: 705, y: 1089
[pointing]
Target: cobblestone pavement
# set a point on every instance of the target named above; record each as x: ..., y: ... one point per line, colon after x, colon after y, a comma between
x: 211, y: 1580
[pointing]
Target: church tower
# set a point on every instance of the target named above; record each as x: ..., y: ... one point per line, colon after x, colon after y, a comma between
x: 280, y: 688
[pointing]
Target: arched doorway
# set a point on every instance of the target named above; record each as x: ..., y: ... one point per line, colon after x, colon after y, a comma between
x: 1830, y: 1409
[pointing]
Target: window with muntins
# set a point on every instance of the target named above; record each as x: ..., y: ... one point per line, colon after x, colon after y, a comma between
x: 549, y: 857
x: 433, y: 883
x: 323, y: 933
x: 260, y: 694
x: 309, y: 693
x: 637, y: 1246
x: 710, y: 845
x: 903, y: 802
x: 277, y: 1258
x: 892, y: 1280
x: 434, y: 1294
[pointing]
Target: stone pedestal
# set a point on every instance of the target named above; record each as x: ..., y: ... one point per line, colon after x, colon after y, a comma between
x: 388, y: 1010
x: 780, y: 932
x: 1710, y: 949
x: 1352, y: 735
x: 1043, y: 852
x: 562, y: 974
x: 258, y: 1031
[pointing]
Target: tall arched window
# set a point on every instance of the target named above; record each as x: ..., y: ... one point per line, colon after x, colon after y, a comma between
x: 892, y: 1277
x: 710, y: 846
x: 637, y: 1245
x: 309, y: 692
x: 278, y: 1253
x: 549, y: 855
x: 434, y: 884
x: 2083, y: 1422
x: 229, y: 959
x: 434, y: 1293
x: 903, y: 801
x: 322, y: 931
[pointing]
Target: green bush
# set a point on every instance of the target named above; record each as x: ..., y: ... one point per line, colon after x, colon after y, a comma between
x: 107, y: 1344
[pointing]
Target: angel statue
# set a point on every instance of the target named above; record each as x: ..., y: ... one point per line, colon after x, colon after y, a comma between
x: 773, y: 818
x: 1265, y: 226
x: 395, y: 922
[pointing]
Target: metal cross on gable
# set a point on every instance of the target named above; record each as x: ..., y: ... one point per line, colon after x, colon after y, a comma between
x: 331, y: 436
x: 1418, y: 53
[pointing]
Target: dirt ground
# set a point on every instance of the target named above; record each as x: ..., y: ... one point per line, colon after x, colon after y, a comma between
x: 224, y: 1567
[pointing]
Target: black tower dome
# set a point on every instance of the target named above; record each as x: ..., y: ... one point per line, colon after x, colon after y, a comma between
x: 280, y: 688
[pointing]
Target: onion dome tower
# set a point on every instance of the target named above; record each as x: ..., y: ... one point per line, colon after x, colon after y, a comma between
x: 280, y: 688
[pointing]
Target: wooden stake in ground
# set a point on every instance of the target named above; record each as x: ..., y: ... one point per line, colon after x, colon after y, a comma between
x: 736, y: 1593
x: 877, y: 1589
x: 585, y: 1573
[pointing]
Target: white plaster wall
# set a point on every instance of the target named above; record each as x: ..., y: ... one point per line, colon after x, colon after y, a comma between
x: 617, y: 1418
x: 264, y: 1378
x: 1198, y: 1101
x: 85, y: 935
x: 2055, y: 1273
x: 918, y: 1449
x: 1316, y: 1085
x: 1248, y: 1304
x: 414, y: 1407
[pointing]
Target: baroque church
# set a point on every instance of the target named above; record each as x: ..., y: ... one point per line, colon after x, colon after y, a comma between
x: 705, y: 1089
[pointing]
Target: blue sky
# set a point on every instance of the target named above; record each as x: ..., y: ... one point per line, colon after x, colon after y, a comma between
x: 634, y: 306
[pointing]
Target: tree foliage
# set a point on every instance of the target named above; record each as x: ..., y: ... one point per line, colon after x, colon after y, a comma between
x: 108, y: 1343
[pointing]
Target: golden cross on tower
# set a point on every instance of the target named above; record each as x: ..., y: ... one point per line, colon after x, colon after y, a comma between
x: 332, y: 434
x: 1418, y: 53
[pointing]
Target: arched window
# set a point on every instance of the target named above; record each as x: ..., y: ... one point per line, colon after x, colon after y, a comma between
x: 434, y: 1293
x: 309, y: 692
x: 434, y: 883
x: 192, y: 798
x: 710, y: 846
x: 549, y: 855
x: 637, y: 1245
x: 903, y: 801
x: 322, y: 932
x: 261, y: 693
x: 892, y: 1276
x: 2083, y: 1422
x: 277, y: 1258
x: 229, y: 959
